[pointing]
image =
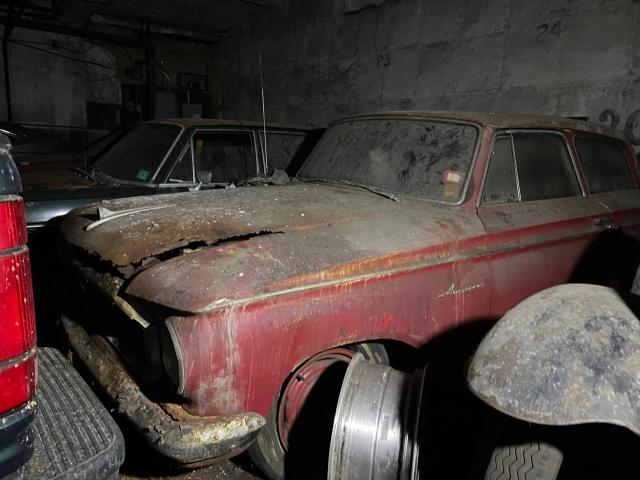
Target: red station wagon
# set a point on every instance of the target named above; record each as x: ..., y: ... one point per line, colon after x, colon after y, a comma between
x: 209, y: 317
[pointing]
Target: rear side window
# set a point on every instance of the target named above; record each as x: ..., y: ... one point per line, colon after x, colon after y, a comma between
x: 545, y: 169
x: 282, y: 148
x: 604, y: 165
x: 500, y: 185
x: 529, y: 166
x: 223, y: 156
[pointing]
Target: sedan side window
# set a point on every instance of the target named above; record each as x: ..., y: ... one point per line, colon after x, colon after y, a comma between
x: 544, y: 165
x: 282, y: 149
x: 500, y: 184
x: 223, y: 157
x: 605, y: 165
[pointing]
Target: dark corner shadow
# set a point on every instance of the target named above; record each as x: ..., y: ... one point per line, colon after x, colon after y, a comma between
x: 610, y: 260
x: 452, y: 417
x: 46, y: 273
x: 304, y: 151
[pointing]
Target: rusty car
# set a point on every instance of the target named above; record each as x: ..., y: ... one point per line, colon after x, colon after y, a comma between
x: 160, y: 156
x: 211, y: 317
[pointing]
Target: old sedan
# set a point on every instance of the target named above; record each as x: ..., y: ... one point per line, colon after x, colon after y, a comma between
x: 166, y: 156
x: 230, y: 306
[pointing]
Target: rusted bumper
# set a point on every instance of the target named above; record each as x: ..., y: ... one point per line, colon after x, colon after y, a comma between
x: 191, y: 441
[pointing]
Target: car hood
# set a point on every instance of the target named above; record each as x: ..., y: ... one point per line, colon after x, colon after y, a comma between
x: 206, y: 249
x: 48, y: 206
x: 53, y: 180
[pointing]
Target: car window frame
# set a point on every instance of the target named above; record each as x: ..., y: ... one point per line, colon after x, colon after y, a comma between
x: 168, y: 182
x: 510, y: 132
x: 170, y: 151
x: 612, y: 141
x: 249, y: 131
x: 497, y: 135
x: 188, y: 142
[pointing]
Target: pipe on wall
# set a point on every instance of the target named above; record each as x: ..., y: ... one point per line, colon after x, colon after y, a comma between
x: 5, y: 63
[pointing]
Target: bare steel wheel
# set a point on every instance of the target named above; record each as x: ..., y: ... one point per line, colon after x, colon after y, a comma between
x: 297, y: 435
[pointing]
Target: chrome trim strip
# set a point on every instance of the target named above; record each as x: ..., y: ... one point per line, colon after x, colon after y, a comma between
x: 113, y: 215
x: 14, y: 361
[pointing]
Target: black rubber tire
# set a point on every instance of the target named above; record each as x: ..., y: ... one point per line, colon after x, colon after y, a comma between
x: 267, y: 451
x: 635, y: 287
x: 527, y: 461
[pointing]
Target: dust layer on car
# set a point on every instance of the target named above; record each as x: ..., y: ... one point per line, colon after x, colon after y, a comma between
x: 287, y: 237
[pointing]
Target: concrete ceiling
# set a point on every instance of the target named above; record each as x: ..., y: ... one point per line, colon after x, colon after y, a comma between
x: 199, y: 15
x: 204, y: 16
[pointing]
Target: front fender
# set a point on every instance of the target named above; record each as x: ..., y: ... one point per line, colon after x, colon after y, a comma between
x: 567, y: 355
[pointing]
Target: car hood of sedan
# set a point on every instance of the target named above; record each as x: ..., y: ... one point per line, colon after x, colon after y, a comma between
x: 210, y: 248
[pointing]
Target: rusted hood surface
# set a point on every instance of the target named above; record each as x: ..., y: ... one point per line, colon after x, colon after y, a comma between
x: 565, y: 356
x: 262, y: 240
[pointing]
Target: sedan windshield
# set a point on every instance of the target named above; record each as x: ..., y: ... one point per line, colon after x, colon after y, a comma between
x: 137, y: 155
x: 421, y: 158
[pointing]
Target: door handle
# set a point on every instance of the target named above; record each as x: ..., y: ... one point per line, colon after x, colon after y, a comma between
x: 605, y: 222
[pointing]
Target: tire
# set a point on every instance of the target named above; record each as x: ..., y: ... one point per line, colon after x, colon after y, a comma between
x: 528, y: 461
x: 635, y: 287
x: 267, y: 451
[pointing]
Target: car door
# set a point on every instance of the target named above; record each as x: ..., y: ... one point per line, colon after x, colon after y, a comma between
x: 537, y: 219
x: 607, y: 167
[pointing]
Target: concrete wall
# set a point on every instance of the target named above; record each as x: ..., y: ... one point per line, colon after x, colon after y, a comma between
x: 49, y: 87
x: 53, y: 77
x: 323, y: 60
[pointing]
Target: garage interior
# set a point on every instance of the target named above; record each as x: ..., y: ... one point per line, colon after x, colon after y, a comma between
x: 88, y: 66
x: 75, y: 70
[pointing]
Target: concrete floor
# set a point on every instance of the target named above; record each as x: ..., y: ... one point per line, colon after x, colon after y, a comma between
x: 239, y: 468
x: 144, y: 463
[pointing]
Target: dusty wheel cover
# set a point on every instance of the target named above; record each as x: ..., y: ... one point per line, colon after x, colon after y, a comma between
x: 567, y: 355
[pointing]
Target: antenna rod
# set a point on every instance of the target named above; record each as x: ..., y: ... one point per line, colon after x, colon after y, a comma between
x: 264, y: 116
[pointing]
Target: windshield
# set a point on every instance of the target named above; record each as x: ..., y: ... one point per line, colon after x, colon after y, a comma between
x: 423, y: 158
x: 137, y: 155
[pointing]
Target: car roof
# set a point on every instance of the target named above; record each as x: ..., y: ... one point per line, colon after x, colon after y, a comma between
x: 221, y: 122
x: 504, y: 120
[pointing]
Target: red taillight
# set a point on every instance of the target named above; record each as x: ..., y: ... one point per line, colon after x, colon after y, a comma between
x: 17, y: 325
x: 13, y: 230
x: 17, y: 317
x: 18, y: 384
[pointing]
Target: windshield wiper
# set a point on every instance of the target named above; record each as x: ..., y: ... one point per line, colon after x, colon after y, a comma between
x: 278, y: 177
x: 340, y: 181
x: 85, y: 174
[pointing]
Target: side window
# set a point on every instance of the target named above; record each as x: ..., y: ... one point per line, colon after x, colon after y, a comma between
x: 222, y: 157
x: 544, y: 167
x: 183, y: 171
x: 282, y: 148
x: 500, y: 183
x: 604, y: 165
